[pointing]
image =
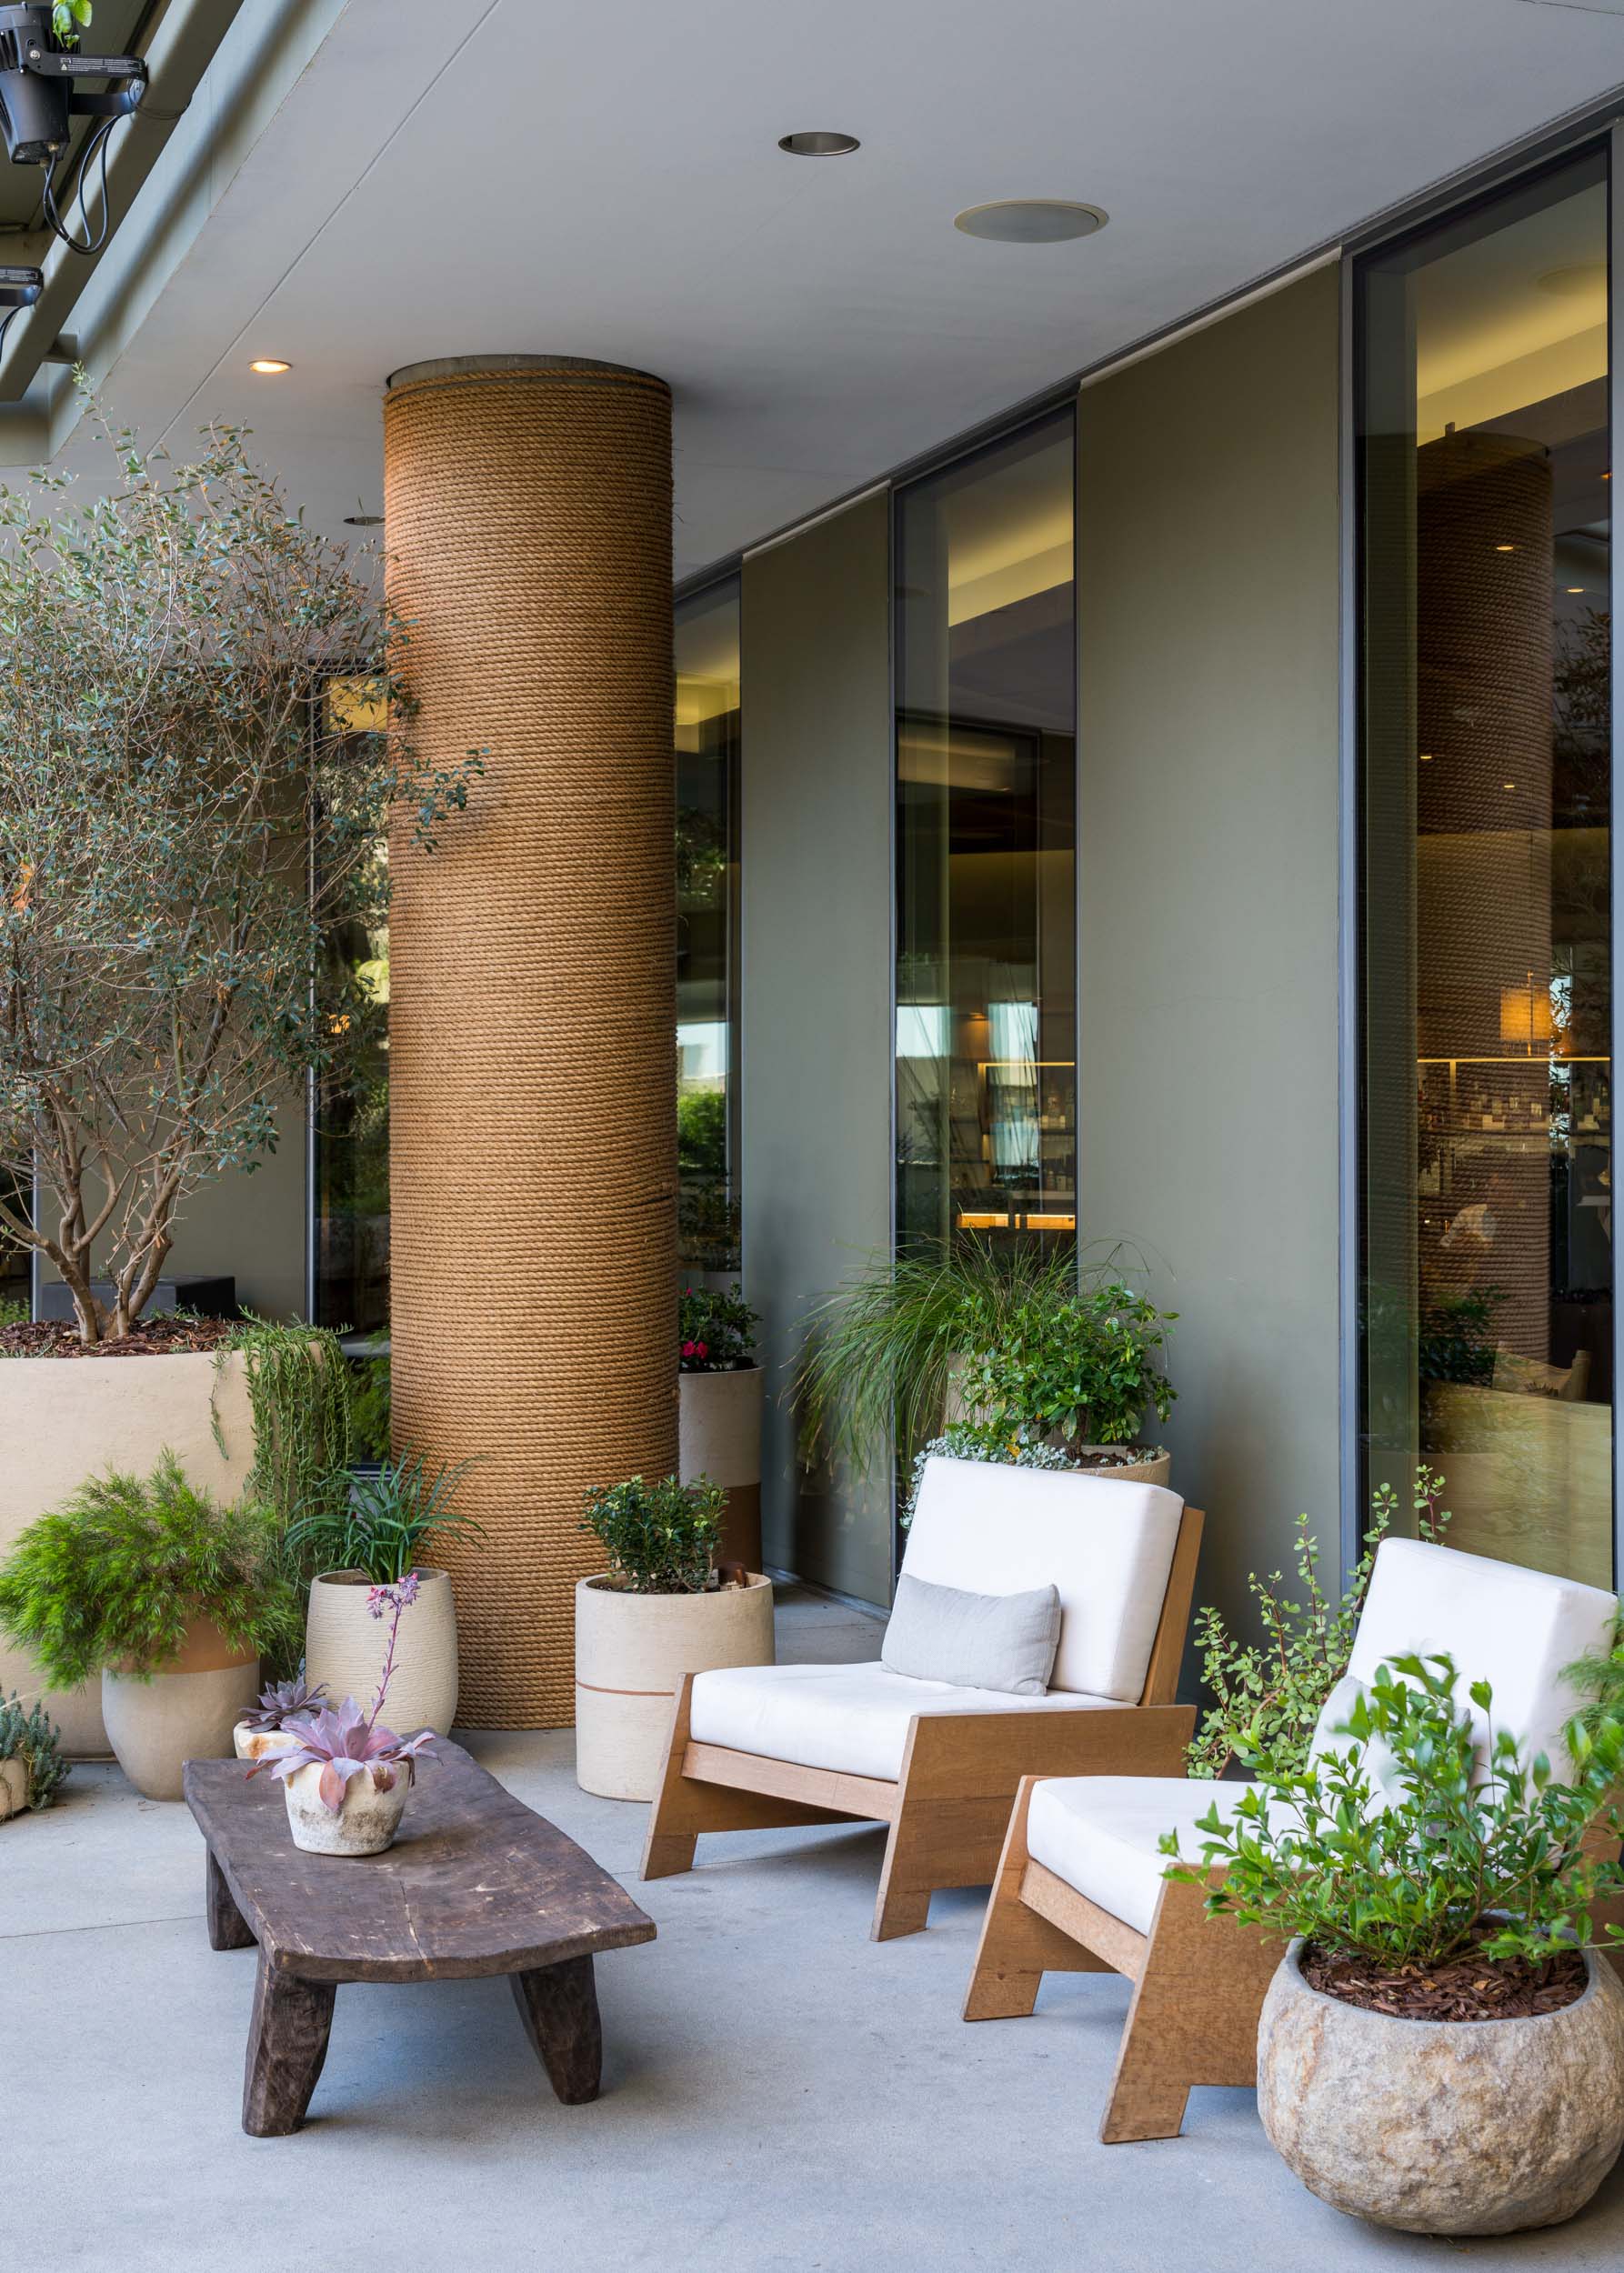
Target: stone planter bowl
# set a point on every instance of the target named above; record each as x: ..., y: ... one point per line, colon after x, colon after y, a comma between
x: 1444, y: 2127
x: 365, y: 1825
x: 189, y: 1711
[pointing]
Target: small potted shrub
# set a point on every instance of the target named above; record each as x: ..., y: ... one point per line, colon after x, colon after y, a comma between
x: 32, y: 1768
x: 1082, y: 1373
x: 376, y: 1532
x: 271, y: 1725
x: 654, y: 1615
x: 719, y: 1398
x: 1441, y: 2049
x: 171, y: 1600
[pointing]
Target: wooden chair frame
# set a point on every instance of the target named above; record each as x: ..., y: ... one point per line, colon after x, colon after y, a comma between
x: 950, y: 1808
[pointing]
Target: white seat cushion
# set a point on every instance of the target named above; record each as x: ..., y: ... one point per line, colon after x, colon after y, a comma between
x: 1101, y: 1834
x: 1106, y: 1548
x: 851, y: 1718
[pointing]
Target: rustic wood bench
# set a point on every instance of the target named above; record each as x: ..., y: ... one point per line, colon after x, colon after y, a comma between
x: 475, y: 1883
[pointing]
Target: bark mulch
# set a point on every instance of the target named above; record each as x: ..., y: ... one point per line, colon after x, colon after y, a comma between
x: 1465, y: 1987
x: 152, y: 1337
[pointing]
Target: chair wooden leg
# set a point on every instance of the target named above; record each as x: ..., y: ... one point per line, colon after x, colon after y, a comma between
x: 1017, y: 1947
x: 672, y: 1837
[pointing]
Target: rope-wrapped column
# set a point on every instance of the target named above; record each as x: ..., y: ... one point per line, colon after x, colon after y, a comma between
x: 533, y: 1151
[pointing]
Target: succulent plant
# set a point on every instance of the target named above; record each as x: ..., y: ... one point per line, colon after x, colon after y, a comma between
x: 343, y: 1744
x: 283, y: 1701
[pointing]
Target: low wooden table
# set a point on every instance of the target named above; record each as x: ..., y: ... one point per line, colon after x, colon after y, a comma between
x: 475, y: 1883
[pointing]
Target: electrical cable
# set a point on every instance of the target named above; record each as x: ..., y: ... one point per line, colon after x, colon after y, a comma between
x: 93, y: 146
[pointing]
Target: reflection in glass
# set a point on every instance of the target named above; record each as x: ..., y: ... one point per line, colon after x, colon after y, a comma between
x: 1487, y: 935
x: 986, y: 816
x: 707, y: 753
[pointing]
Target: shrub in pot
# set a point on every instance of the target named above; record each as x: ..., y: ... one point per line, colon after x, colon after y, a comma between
x: 719, y: 1400
x: 170, y: 1598
x: 377, y: 1531
x: 651, y: 1616
x: 32, y: 1768
x: 1441, y: 2050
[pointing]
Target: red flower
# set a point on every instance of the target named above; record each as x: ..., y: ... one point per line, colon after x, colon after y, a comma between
x: 690, y: 1349
x: 701, y: 1350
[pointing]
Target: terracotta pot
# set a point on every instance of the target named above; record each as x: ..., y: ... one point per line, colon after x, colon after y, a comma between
x: 365, y: 1825
x: 344, y: 1645
x: 720, y: 1436
x: 1444, y: 2127
x: 632, y: 1651
x: 186, y: 1712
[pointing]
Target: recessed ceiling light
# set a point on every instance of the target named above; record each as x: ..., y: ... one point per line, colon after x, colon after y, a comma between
x: 268, y: 366
x: 363, y: 520
x: 1030, y: 220
x: 818, y: 142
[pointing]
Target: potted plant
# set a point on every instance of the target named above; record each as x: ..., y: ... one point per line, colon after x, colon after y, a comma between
x: 654, y: 1615
x: 32, y: 1768
x: 1441, y: 2050
x: 720, y: 1397
x: 272, y: 1725
x: 169, y: 1598
x: 345, y: 1776
x: 169, y: 986
x: 376, y: 1531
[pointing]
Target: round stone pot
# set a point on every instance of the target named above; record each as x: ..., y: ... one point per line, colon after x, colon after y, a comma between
x: 720, y: 1436
x: 186, y: 1712
x: 261, y: 1744
x: 632, y: 1651
x: 1444, y: 2127
x: 344, y: 1645
x: 365, y: 1825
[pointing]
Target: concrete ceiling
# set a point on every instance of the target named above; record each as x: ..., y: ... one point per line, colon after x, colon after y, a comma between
x: 452, y: 176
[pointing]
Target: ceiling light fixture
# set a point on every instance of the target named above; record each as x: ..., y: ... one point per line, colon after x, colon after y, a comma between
x: 1030, y: 220
x: 1576, y: 587
x: 269, y: 366
x: 818, y: 142
x: 38, y: 98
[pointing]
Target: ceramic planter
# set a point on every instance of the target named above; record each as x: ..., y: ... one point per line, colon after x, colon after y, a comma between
x: 261, y: 1744
x: 631, y: 1652
x: 63, y: 1420
x: 1439, y: 2126
x: 720, y: 1436
x: 186, y: 1712
x: 1158, y: 1470
x: 15, y: 1787
x: 365, y: 1825
x: 345, y: 1646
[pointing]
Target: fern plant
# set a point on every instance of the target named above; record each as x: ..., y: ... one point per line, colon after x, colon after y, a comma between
x: 35, y: 1739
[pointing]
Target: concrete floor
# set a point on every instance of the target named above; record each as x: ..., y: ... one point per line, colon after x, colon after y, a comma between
x: 778, y: 2092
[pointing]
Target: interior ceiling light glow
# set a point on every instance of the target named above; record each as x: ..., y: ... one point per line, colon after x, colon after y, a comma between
x: 1030, y: 220
x: 268, y: 366
x: 818, y: 142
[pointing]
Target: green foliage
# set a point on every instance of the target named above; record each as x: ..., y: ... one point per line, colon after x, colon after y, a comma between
x: 370, y: 1406
x: 1457, y: 1340
x: 1268, y: 1695
x: 1394, y: 1848
x: 116, y: 1575
x: 660, y: 1536
x: 15, y: 1312
x: 702, y: 1132
x: 34, y: 1740
x: 186, y: 822
x: 69, y: 19
x: 1086, y: 1366
x: 974, y: 1440
x: 716, y: 1332
x: 385, y: 1525
x: 300, y: 1394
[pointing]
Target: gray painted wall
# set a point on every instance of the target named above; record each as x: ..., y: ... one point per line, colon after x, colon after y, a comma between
x: 816, y: 1050
x: 1207, y: 875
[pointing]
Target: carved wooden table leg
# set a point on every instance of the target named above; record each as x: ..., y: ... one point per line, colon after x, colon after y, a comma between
x: 558, y: 2005
x: 287, y: 2042
x: 227, y: 1927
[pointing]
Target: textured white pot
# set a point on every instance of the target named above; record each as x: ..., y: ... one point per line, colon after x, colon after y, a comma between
x: 632, y: 1651
x: 188, y: 1712
x: 345, y: 1646
x: 720, y: 1436
x: 365, y: 1825
x: 261, y: 1744
x: 13, y: 1787
x: 63, y: 1420
x: 1444, y: 2127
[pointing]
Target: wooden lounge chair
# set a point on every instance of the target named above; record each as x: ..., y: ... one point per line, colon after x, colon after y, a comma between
x: 755, y: 1746
x: 1079, y: 1888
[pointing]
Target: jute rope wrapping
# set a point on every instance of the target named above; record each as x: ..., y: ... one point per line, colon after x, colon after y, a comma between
x: 533, y: 1152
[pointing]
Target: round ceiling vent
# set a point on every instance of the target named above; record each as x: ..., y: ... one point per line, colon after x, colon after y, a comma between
x: 1030, y: 220
x: 818, y: 143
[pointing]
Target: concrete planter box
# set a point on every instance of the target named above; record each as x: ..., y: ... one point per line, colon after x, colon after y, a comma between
x: 63, y: 1420
x: 1440, y: 2127
x: 345, y: 1646
x: 188, y: 1712
x: 631, y: 1652
x: 720, y: 1436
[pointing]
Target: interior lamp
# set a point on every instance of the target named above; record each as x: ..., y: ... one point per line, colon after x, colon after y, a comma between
x: 1525, y: 1015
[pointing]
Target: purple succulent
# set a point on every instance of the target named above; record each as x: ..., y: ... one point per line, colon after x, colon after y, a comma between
x: 283, y: 1701
x: 342, y: 1744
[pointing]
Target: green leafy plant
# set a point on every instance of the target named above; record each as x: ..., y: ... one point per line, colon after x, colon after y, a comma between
x: 1457, y: 1339
x: 716, y: 1332
x: 388, y: 1525
x: 1268, y: 1695
x: 659, y: 1537
x: 702, y: 1132
x: 299, y: 1393
x: 1397, y: 1848
x: 69, y: 19
x: 370, y: 1403
x: 973, y: 1441
x: 1087, y: 1368
x: 35, y: 1739
x: 15, y: 1312
x: 116, y: 1576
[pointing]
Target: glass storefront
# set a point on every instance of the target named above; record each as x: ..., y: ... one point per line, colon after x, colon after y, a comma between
x: 1486, y: 1212
x: 985, y: 1100
x: 707, y: 758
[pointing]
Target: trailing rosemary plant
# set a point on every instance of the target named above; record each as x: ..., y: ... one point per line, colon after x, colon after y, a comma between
x: 299, y: 1392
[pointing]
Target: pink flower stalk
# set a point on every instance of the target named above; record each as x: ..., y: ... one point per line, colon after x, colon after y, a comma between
x: 396, y: 1599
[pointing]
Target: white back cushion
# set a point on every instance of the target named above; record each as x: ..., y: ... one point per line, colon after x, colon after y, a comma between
x: 1514, y: 1629
x: 1106, y: 1548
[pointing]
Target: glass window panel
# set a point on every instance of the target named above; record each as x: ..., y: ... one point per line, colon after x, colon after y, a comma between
x: 1486, y: 1203
x: 707, y: 758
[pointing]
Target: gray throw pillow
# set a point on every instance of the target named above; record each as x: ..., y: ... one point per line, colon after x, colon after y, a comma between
x: 976, y: 1641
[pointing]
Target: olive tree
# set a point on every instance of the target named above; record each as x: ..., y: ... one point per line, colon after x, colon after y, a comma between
x: 185, y: 826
